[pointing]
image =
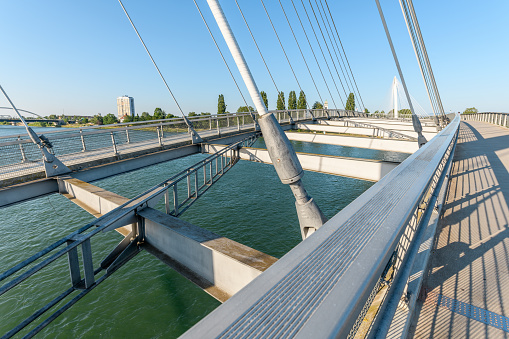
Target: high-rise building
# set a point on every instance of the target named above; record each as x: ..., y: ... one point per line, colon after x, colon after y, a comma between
x: 125, y: 106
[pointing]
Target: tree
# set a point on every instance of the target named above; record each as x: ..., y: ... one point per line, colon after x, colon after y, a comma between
x: 128, y: 118
x: 317, y: 105
x: 292, y: 100
x: 471, y: 110
x: 244, y: 109
x: 205, y: 113
x: 145, y: 116
x: 280, y: 104
x: 366, y: 110
x: 405, y: 111
x: 192, y: 114
x: 84, y: 120
x: 109, y: 119
x: 264, y: 98
x: 350, y: 103
x: 97, y: 119
x: 302, y: 104
x: 221, y: 106
x: 159, y: 114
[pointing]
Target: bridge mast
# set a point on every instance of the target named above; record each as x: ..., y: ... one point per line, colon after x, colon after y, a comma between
x: 395, y: 97
x: 281, y: 152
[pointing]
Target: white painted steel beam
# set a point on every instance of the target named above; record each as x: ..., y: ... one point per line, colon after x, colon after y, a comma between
x: 365, y: 169
x: 352, y: 130
x: 398, y: 127
x: 220, y: 266
x: 392, y: 145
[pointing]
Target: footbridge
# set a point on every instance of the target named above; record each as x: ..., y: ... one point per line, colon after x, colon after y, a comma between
x: 422, y: 253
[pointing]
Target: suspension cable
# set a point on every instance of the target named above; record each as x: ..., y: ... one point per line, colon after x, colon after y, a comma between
x: 301, y: 53
x: 335, y: 52
x: 423, y: 46
x: 415, y: 120
x: 422, y: 55
x: 314, y: 55
x: 328, y: 50
x: 259, y: 51
x: 341, y: 60
x: 281, y: 44
x: 321, y: 50
x: 157, y: 68
x: 224, y: 60
x: 346, y: 58
x: 418, y: 54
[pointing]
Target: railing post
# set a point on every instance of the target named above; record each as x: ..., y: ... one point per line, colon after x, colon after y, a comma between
x: 218, y: 130
x: 238, y: 123
x: 113, y: 142
x: 160, y: 134
x: 84, y: 147
x: 127, y: 136
x: 175, y: 199
x: 23, y: 155
x: 88, y: 266
x: 210, y: 123
x: 74, y: 265
x: 505, y: 120
x: 167, y: 200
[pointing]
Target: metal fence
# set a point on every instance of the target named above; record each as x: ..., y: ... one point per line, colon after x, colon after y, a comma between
x: 19, y: 157
x: 499, y: 119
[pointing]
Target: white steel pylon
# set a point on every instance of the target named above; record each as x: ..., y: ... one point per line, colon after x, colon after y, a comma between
x: 395, y: 97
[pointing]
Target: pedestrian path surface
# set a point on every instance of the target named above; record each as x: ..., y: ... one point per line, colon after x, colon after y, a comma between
x: 466, y: 290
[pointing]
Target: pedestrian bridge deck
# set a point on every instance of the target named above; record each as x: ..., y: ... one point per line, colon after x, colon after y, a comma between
x: 468, y: 278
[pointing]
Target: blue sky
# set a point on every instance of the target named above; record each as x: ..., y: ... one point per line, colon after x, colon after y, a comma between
x: 78, y: 57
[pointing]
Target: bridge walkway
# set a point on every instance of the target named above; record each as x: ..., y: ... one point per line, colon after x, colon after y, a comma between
x: 466, y: 290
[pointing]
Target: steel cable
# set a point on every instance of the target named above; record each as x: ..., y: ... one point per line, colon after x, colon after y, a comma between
x: 346, y: 58
x: 321, y: 50
x: 224, y: 60
x: 314, y: 55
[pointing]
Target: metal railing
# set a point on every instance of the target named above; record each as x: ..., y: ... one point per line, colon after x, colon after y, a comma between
x: 499, y: 119
x: 179, y: 192
x: 20, y: 157
x: 379, y: 131
x: 325, y: 285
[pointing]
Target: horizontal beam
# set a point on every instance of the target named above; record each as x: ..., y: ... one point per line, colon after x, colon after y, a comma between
x: 395, y: 125
x: 220, y: 266
x: 364, y: 169
x: 352, y: 130
x: 393, y: 145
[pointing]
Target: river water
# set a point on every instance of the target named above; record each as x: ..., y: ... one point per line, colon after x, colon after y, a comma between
x: 145, y: 298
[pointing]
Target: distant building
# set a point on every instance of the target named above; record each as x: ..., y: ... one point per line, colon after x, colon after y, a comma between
x: 125, y: 106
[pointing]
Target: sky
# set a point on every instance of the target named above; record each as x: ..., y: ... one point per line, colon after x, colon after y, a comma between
x: 76, y: 58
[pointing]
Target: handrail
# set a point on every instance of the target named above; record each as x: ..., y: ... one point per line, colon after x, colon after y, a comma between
x: 496, y: 118
x: 323, y: 286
